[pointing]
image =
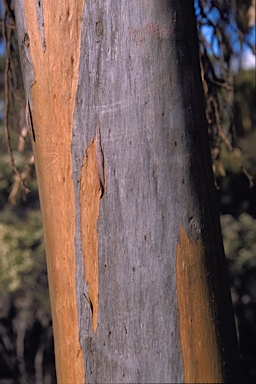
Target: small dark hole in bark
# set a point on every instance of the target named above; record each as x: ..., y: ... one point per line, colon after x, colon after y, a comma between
x: 99, y: 28
x: 175, y: 143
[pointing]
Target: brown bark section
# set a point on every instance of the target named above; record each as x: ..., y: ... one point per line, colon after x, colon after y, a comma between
x: 201, y: 361
x: 53, y: 95
x: 90, y: 194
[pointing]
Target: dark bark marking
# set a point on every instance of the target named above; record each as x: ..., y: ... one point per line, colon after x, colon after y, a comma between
x: 100, y: 160
x: 29, y: 119
x: 89, y: 302
x: 99, y: 28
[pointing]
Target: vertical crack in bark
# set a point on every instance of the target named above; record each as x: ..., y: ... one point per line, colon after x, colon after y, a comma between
x: 91, y: 191
x: 198, y: 335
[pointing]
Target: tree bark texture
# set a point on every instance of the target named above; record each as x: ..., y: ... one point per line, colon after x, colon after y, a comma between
x: 137, y: 277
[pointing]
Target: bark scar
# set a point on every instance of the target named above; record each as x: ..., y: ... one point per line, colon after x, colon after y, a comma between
x: 92, y: 187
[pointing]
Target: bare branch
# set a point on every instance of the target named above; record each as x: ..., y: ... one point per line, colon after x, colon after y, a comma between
x: 6, y: 35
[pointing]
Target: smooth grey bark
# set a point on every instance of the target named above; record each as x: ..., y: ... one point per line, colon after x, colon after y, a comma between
x: 139, y: 79
x: 122, y: 86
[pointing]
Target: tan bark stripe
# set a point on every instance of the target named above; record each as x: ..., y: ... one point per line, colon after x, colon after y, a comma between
x: 90, y: 194
x: 56, y: 70
x: 201, y: 361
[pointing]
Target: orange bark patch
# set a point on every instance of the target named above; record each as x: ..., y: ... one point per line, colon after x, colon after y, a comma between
x: 90, y: 194
x: 198, y: 338
x: 56, y: 72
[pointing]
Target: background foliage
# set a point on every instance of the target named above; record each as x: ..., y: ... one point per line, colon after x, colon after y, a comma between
x: 26, y: 344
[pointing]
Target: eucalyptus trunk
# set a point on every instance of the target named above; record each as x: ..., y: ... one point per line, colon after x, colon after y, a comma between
x: 138, y: 283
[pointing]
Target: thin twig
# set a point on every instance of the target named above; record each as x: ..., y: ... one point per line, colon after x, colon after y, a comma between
x: 6, y: 25
x: 6, y: 121
x: 229, y: 145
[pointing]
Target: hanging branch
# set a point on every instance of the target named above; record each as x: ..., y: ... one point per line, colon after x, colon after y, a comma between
x: 6, y: 35
x: 228, y: 144
x: 220, y: 25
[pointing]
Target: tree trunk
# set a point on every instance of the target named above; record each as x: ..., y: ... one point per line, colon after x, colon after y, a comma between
x: 137, y: 276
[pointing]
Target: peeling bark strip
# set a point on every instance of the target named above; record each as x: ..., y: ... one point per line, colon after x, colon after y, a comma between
x: 91, y: 191
x: 50, y: 39
x: 196, y: 323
